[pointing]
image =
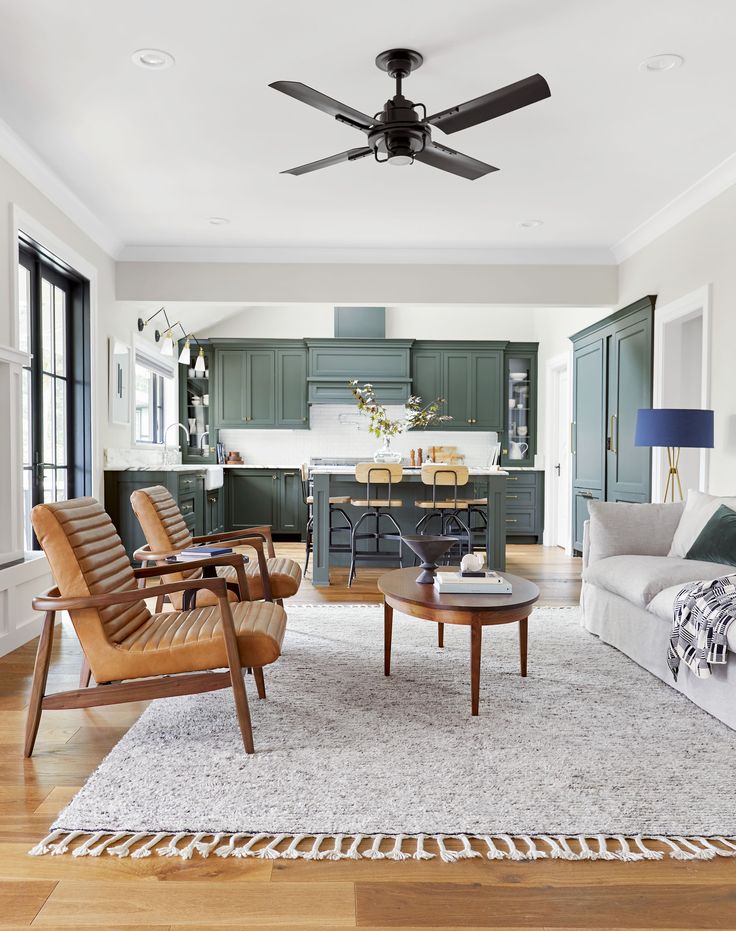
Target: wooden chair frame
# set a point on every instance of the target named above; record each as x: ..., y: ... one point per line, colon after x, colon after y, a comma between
x: 143, y: 689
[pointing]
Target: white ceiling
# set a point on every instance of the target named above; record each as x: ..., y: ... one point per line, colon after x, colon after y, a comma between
x: 154, y: 154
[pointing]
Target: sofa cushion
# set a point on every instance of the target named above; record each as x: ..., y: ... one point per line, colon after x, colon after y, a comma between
x: 717, y: 540
x: 699, y: 508
x: 618, y: 528
x: 663, y: 605
x: 640, y: 578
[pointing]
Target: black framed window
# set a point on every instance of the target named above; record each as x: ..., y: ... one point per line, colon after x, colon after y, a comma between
x: 53, y: 317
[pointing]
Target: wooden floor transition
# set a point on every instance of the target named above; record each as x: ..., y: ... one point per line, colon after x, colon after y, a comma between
x: 159, y: 893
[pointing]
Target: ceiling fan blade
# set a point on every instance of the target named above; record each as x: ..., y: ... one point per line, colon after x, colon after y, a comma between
x: 350, y: 156
x: 489, y: 106
x: 340, y: 111
x: 439, y: 156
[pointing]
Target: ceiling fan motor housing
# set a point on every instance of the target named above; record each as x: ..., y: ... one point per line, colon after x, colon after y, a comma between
x: 400, y: 132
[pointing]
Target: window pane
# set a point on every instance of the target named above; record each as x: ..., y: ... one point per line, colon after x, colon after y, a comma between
x: 60, y: 331
x: 61, y: 436
x: 24, y: 310
x: 61, y: 484
x: 49, y: 439
x: 27, y: 505
x: 48, y: 485
x: 47, y: 327
x: 143, y: 404
x: 26, y: 415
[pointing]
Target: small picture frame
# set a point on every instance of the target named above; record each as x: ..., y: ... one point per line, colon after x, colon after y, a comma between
x: 119, y: 354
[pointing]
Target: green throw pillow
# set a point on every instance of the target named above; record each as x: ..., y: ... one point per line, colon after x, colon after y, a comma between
x: 717, y: 540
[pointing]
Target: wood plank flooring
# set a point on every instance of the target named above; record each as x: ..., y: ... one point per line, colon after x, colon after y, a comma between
x: 165, y: 894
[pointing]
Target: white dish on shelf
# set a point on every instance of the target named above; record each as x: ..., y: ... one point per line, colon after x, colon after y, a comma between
x: 517, y: 376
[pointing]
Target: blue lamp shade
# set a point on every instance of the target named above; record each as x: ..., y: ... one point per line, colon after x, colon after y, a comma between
x: 674, y: 426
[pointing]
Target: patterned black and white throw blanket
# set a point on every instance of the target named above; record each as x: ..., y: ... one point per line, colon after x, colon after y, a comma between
x: 703, y: 613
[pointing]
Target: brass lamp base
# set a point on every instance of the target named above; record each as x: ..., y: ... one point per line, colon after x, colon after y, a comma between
x: 673, y: 475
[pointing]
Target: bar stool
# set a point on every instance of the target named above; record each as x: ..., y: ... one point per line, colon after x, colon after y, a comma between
x: 477, y: 519
x: 376, y: 473
x: 335, y: 502
x: 449, y: 513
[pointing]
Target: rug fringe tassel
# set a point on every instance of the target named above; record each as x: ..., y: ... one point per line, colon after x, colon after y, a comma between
x: 449, y: 847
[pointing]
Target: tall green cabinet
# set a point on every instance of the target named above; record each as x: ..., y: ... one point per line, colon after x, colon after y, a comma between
x: 612, y: 379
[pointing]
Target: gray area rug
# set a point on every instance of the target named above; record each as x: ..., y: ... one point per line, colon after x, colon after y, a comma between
x: 589, y: 757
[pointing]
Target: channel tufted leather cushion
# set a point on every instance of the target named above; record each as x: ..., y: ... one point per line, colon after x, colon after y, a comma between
x: 166, y: 532
x: 87, y: 557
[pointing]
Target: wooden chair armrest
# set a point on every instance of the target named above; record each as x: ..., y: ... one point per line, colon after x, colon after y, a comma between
x: 145, y: 554
x: 256, y: 543
x: 263, y: 532
x: 47, y: 602
x: 237, y: 560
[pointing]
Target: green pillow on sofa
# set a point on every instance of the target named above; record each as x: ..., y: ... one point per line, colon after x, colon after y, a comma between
x: 717, y: 540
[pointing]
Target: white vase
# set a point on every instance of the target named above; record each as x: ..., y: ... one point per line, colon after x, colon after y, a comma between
x: 385, y: 453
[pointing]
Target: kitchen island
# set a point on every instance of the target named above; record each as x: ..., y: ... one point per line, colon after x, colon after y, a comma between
x: 340, y: 480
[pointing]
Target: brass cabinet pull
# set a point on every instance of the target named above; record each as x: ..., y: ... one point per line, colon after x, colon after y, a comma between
x: 289, y: 474
x: 613, y: 431
x: 573, y: 451
x: 514, y: 497
x: 512, y: 478
x: 511, y: 520
x: 586, y: 494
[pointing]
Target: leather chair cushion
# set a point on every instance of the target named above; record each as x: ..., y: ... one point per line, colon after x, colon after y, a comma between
x: 286, y: 577
x: 190, y: 641
x: 161, y: 520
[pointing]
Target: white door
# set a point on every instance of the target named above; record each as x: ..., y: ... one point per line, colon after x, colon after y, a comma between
x: 560, y: 463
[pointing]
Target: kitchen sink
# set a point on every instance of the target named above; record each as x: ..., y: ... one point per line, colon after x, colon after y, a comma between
x: 214, y: 477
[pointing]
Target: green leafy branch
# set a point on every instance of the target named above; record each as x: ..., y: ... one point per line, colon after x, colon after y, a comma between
x: 417, y: 414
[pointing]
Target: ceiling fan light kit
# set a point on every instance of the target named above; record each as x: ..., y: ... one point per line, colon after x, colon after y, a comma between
x: 399, y: 134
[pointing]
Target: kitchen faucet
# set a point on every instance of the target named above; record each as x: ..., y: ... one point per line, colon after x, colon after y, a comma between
x: 166, y: 433
x: 201, y: 443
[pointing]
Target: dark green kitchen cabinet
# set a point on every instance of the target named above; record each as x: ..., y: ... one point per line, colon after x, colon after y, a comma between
x: 468, y: 375
x: 261, y: 384
x: 292, y: 411
x: 612, y: 379
x: 186, y: 487
x: 231, y: 380
x: 519, y: 442
x: 426, y: 374
x: 332, y: 363
x: 260, y: 387
x: 291, y: 516
x: 265, y: 496
x: 214, y: 510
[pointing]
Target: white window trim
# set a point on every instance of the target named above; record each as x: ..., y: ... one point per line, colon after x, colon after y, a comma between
x: 143, y: 349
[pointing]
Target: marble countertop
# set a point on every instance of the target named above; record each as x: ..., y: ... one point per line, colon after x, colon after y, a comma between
x: 349, y: 470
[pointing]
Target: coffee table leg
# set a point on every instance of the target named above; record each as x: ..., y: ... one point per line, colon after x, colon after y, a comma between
x: 388, y: 623
x: 523, y: 637
x: 440, y: 635
x: 476, y: 636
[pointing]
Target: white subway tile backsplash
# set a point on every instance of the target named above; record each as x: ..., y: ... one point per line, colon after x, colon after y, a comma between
x: 340, y: 431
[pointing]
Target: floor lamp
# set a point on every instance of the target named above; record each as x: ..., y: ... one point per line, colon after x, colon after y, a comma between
x: 672, y: 428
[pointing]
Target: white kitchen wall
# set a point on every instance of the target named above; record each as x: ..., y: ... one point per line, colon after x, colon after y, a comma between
x: 339, y: 430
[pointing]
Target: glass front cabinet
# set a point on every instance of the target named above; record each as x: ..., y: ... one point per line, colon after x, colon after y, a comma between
x: 195, y: 404
x: 520, y: 379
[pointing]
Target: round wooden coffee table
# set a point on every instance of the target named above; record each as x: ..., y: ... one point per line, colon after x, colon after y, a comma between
x: 401, y: 591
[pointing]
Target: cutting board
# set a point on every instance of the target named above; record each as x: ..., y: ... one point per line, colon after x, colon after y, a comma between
x: 447, y: 454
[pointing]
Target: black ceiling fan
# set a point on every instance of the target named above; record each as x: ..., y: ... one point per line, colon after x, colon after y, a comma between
x: 398, y: 133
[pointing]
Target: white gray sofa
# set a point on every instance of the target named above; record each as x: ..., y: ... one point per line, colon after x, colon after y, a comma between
x: 629, y: 586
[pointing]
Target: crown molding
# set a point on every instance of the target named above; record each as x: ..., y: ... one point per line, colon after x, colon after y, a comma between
x: 367, y: 256
x: 35, y: 170
x: 705, y: 189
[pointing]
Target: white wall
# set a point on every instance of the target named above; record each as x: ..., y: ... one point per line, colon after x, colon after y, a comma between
x: 696, y: 252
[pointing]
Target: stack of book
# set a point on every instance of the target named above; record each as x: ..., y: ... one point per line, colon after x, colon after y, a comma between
x: 204, y: 552
x: 486, y: 583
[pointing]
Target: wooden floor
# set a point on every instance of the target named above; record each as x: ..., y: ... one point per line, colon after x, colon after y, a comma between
x: 160, y: 893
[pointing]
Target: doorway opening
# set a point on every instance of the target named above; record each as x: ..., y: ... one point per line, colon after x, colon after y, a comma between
x: 682, y: 379
x: 557, y: 461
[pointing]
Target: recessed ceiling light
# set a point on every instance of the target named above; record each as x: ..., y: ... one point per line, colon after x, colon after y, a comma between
x: 664, y: 62
x: 154, y: 59
x: 529, y: 224
x: 219, y: 221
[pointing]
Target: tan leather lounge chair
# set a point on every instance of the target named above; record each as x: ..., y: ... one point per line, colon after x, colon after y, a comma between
x: 167, y: 534
x: 123, y: 643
